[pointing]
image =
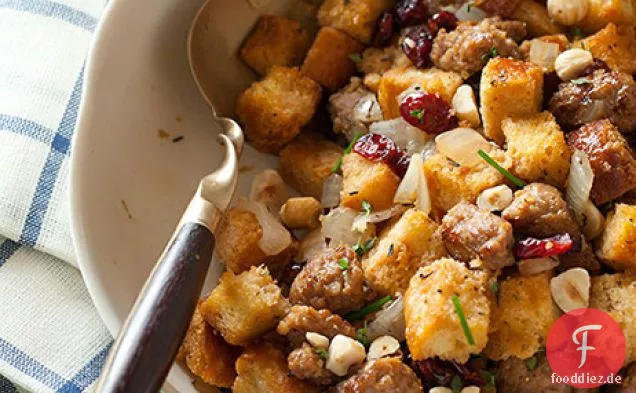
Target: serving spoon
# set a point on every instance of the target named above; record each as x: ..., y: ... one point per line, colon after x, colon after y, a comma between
x: 150, y: 338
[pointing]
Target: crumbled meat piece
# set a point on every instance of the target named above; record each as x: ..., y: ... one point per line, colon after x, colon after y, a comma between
x: 467, y: 49
x: 610, y: 95
x: 303, y: 319
x: 611, y: 159
x: 470, y: 233
x: 341, y: 105
x: 306, y: 363
x: 584, y: 258
x: 539, y: 210
x: 515, y: 376
x: 498, y: 7
x: 334, y: 280
x: 386, y: 375
x: 629, y: 382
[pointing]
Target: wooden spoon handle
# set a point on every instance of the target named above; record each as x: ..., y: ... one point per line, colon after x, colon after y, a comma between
x: 150, y: 338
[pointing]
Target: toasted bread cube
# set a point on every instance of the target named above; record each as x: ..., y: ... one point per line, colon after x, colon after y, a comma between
x: 537, y: 148
x: 432, y: 324
x: 243, y: 307
x: 328, y: 61
x: 615, y: 294
x: 396, y: 80
x: 406, y: 245
x: 509, y: 88
x: 602, y: 12
x: 355, y: 17
x: 536, y: 18
x: 449, y: 183
x: 365, y: 180
x: 379, y: 60
x: 263, y: 368
x: 307, y: 162
x: 237, y: 244
x: 521, y: 317
x: 617, y: 246
x: 275, y: 41
x: 207, y: 355
x: 301, y: 213
x: 275, y: 109
x: 614, y: 45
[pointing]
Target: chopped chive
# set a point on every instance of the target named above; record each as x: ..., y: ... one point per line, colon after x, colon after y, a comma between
x: 362, y: 335
x: 363, y: 248
x: 456, y: 384
x: 355, y: 57
x: 418, y: 114
x: 462, y: 320
x: 371, y: 308
x: 469, y: 6
x: 491, y: 54
x: 577, y: 32
x: 336, y: 168
x: 581, y: 81
x: 514, y: 179
x: 177, y: 139
x: 494, y: 288
x: 531, y: 363
x: 490, y: 379
x: 366, y: 207
x: 322, y: 353
x: 343, y: 263
x: 390, y: 252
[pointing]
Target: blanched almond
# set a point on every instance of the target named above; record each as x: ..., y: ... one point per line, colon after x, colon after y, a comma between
x: 440, y: 389
x: 344, y: 352
x: 568, y: 12
x: 572, y: 62
x: 495, y: 198
x: 317, y: 340
x: 471, y: 389
x: 383, y: 346
x: 465, y: 105
x: 571, y: 289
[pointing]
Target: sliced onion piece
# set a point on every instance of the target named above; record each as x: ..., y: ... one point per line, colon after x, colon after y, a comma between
x: 423, y: 201
x: 338, y: 226
x: 543, y: 54
x: 269, y: 188
x: 593, y: 221
x: 312, y: 245
x: 361, y: 221
x: 275, y: 237
x: 389, y: 322
x: 331, y: 189
x: 407, y: 190
x: 407, y: 137
x: 367, y: 109
x: 594, y: 111
x: 530, y: 267
x: 428, y: 150
x: 461, y: 145
x: 579, y: 184
x: 470, y: 14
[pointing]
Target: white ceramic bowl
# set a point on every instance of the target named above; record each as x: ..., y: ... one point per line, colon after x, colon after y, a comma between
x: 129, y: 186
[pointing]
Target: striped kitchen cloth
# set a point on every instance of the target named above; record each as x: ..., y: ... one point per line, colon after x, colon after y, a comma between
x: 51, y: 338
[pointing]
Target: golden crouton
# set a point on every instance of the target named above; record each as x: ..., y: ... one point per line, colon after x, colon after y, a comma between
x: 275, y: 41
x: 409, y: 243
x: 301, y: 213
x: 602, y: 12
x: 614, y: 45
x: 355, y: 17
x: 207, y: 355
x: 237, y: 243
x: 537, y: 148
x: 522, y: 315
x: 450, y: 183
x: 306, y: 162
x: 396, y: 80
x: 536, y: 18
x: 616, y: 295
x: 617, y: 246
x: 365, y: 180
x: 243, y: 307
x: 263, y: 369
x: 329, y: 59
x: 509, y: 88
x: 433, y: 326
x: 275, y: 109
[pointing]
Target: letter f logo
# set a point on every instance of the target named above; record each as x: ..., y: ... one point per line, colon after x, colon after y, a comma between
x: 584, y: 347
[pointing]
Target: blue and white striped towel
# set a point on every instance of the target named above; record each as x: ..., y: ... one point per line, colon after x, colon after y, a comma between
x: 51, y: 338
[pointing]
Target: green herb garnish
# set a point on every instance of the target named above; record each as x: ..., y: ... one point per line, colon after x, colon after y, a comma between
x: 491, y: 54
x: 366, y: 207
x: 418, y: 114
x: 469, y: 6
x: 581, y: 81
x: 531, y: 363
x: 371, y: 308
x: 577, y: 32
x: 514, y: 179
x: 494, y: 288
x: 355, y: 57
x: 362, y: 335
x: 336, y: 168
x: 363, y: 248
x: 322, y: 353
x: 456, y: 384
x: 390, y: 252
x: 343, y: 263
x: 490, y: 379
x: 462, y: 320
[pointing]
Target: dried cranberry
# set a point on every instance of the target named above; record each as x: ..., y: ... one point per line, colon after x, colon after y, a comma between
x: 598, y: 64
x: 539, y: 248
x: 376, y: 147
x: 428, y: 112
x: 442, y: 20
x: 386, y: 27
x: 417, y: 45
x: 435, y: 372
x: 411, y: 12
